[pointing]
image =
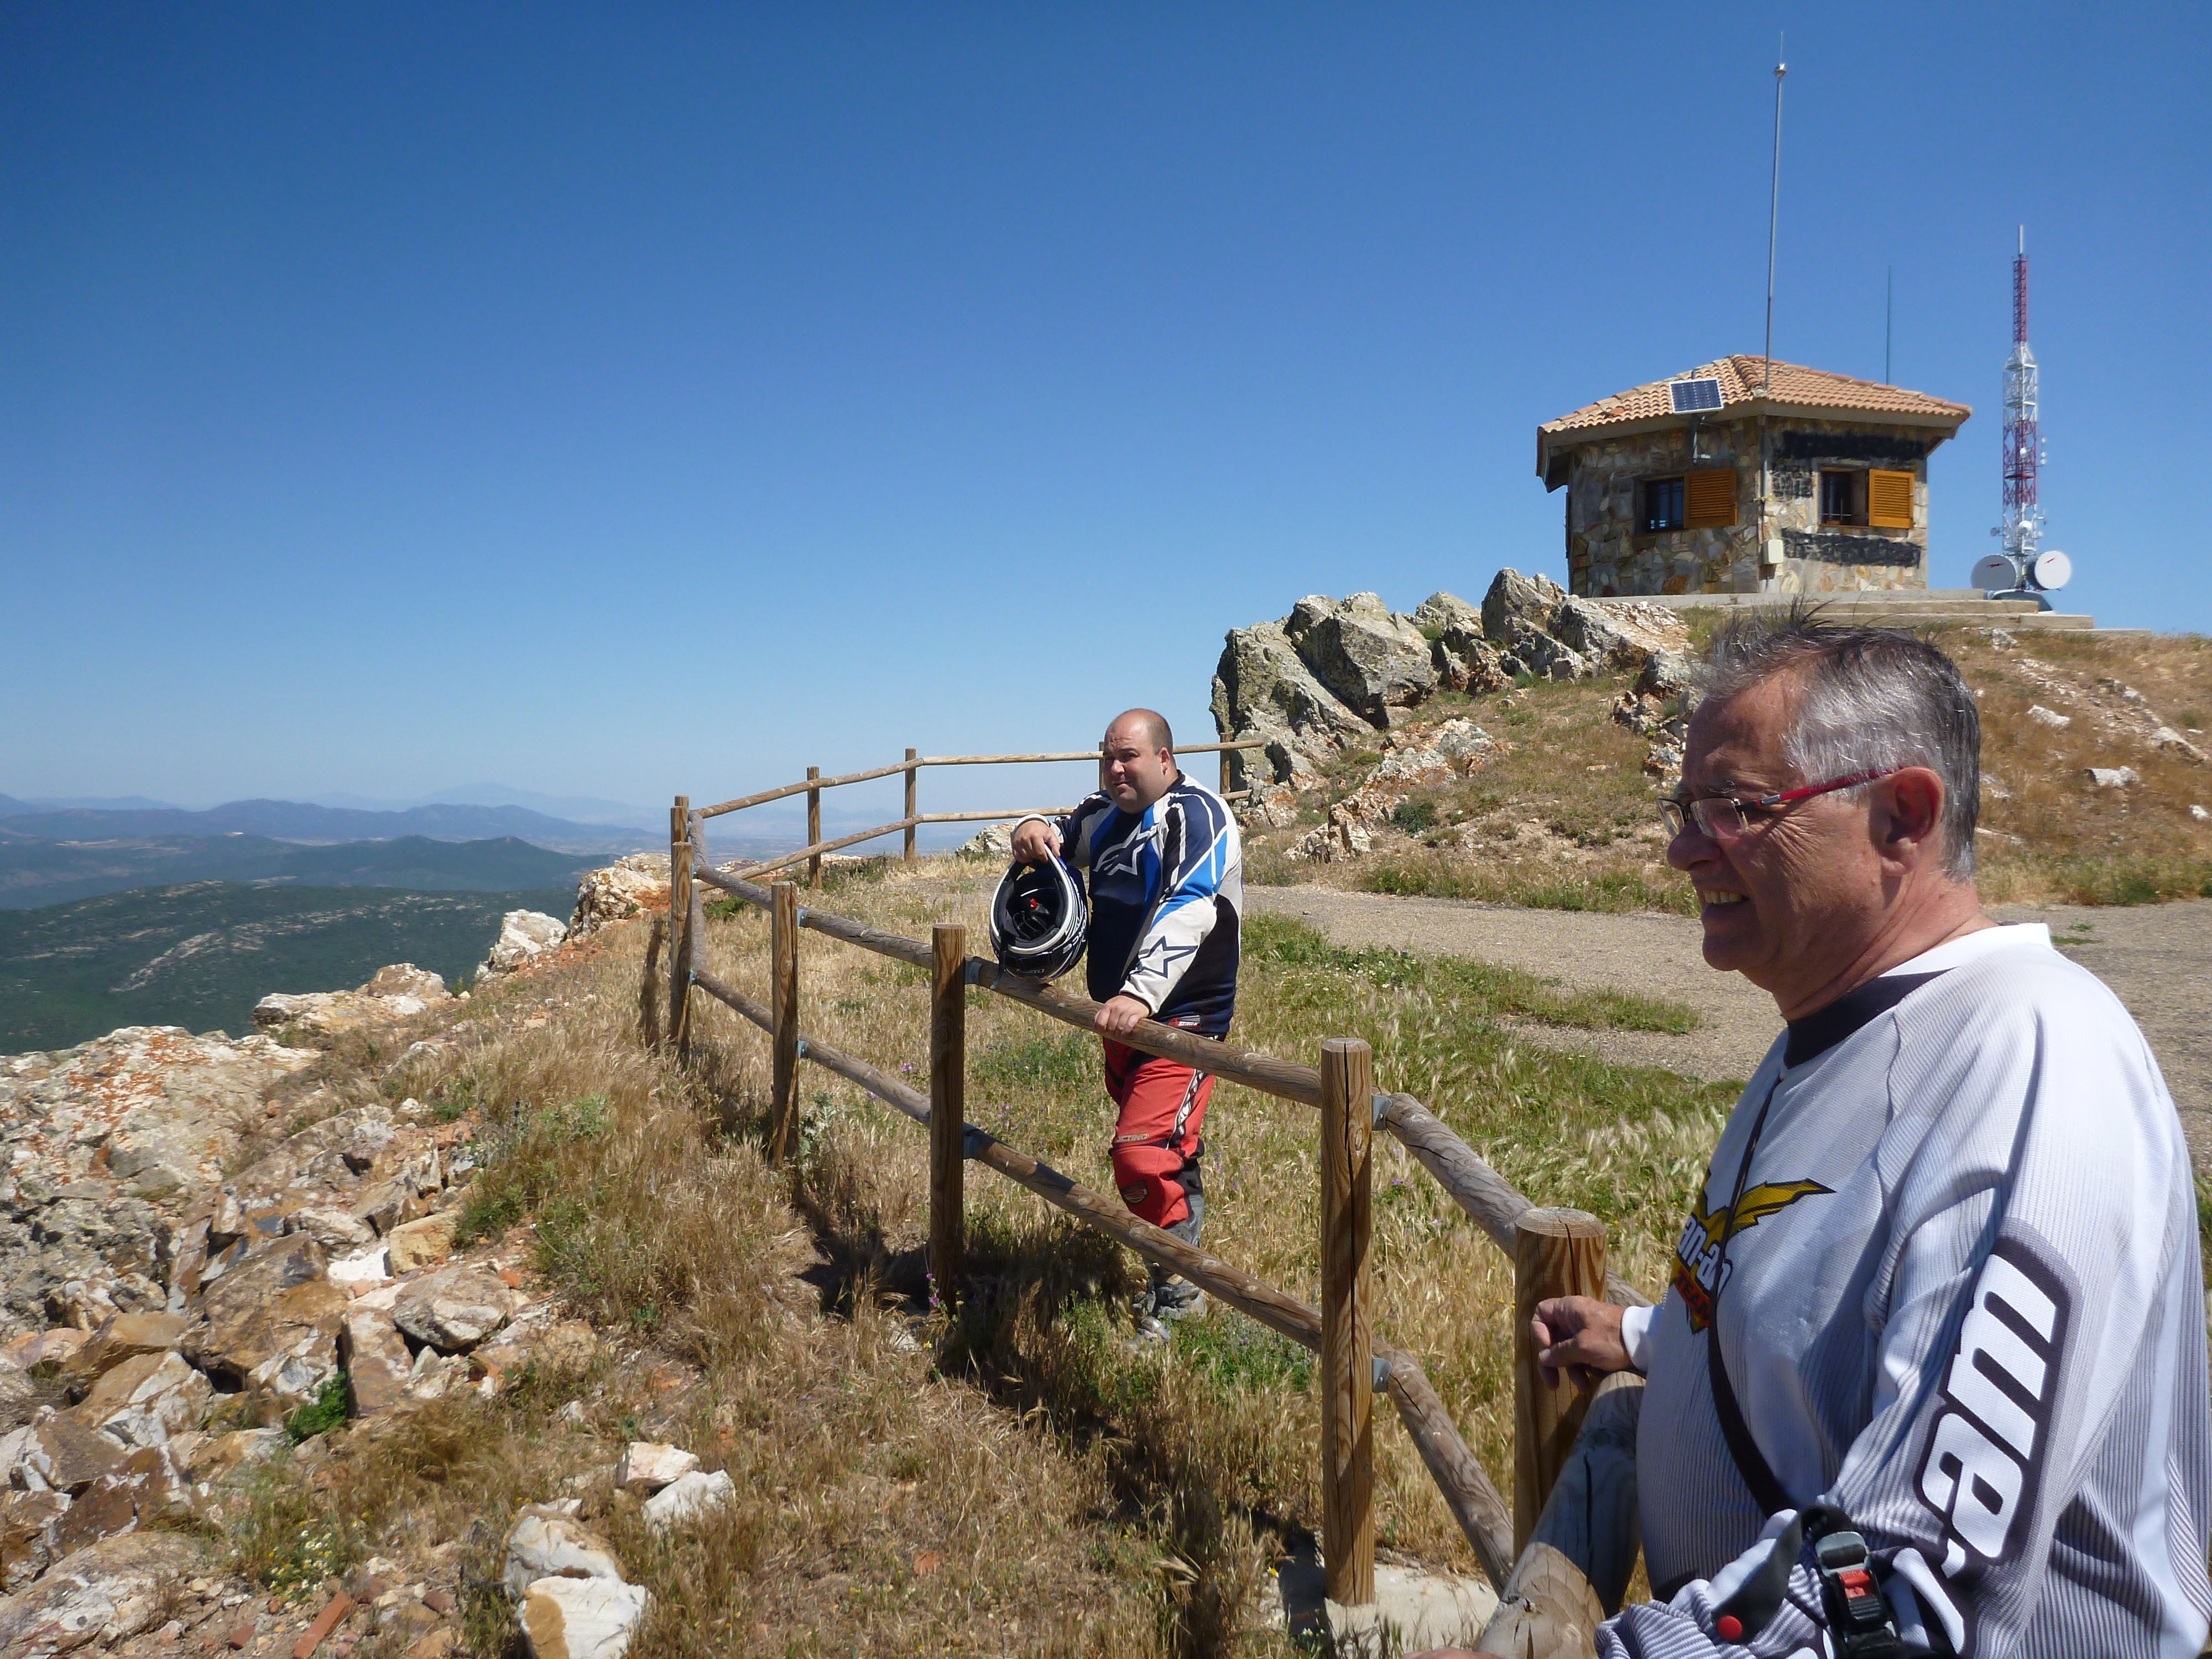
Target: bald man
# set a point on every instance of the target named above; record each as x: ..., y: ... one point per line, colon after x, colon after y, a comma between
x: 1167, y: 881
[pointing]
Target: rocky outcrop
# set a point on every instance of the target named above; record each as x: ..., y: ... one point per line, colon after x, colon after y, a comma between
x: 628, y: 887
x: 398, y: 993
x: 524, y: 935
x: 1418, y: 758
x: 1262, y: 688
x: 1334, y: 673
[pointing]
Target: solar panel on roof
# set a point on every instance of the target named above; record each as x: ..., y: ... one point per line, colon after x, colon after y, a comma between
x: 1694, y: 397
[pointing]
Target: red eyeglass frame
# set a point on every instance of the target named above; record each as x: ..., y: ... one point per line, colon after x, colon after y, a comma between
x: 1677, y: 815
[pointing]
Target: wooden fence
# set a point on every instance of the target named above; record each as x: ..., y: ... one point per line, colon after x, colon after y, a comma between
x: 1560, y: 1554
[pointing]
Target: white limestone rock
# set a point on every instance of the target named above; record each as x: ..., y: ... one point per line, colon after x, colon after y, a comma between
x: 646, y: 1466
x: 545, y: 1542
x: 523, y: 935
x: 690, y: 1499
x: 628, y: 887
x: 582, y: 1618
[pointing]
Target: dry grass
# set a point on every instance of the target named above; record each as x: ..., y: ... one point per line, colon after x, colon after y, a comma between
x: 884, y: 1504
x: 1565, y: 822
x: 1219, y: 1434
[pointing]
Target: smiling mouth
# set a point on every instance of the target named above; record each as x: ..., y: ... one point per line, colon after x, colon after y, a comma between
x: 1715, y: 899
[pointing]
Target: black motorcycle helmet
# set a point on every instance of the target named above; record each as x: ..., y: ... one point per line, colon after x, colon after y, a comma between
x: 1039, y: 920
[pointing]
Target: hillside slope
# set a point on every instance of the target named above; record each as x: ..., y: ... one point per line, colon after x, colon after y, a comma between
x: 200, y: 956
x: 1560, y: 812
x: 284, y: 820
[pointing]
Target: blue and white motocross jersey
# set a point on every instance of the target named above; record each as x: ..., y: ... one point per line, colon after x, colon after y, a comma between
x: 1167, y: 887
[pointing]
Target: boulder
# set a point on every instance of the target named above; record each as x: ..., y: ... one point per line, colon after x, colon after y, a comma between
x: 1261, y: 688
x: 993, y: 842
x: 646, y: 1466
x: 454, y: 1310
x: 690, y: 1499
x: 62, y: 1454
x: 145, y: 1400
x: 125, y: 1336
x: 523, y: 935
x: 1617, y: 636
x: 377, y: 1363
x: 28, y: 1534
x: 1464, y: 660
x: 1371, y: 658
x: 147, y: 1488
x: 582, y: 1618
x: 404, y: 979
x: 546, y: 1542
x: 364, y: 1267
x: 628, y: 887
x: 1516, y: 605
x: 275, y: 1305
x: 334, y: 1230
x: 99, y: 1596
x: 2112, y: 777
x: 34, y: 1348
x: 418, y: 1243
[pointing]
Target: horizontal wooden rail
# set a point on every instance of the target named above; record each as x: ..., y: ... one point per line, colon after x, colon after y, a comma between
x: 1489, y: 1200
x: 1475, y: 1503
x: 762, y: 797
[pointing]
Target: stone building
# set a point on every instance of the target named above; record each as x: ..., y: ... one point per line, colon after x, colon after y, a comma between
x: 1663, y: 483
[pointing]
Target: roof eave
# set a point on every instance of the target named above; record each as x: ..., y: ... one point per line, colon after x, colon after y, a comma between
x: 1944, y: 425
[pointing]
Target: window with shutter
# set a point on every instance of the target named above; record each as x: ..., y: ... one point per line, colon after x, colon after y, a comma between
x: 1712, y: 498
x: 1889, y: 500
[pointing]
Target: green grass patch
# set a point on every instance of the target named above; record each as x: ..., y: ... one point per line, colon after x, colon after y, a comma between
x: 1235, y: 1353
x: 518, y: 1157
x: 1046, y: 1060
x: 321, y: 1414
x: 1471, y: 987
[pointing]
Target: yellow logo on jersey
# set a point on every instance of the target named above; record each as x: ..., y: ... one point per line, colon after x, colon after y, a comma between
x: 1697, y: 1253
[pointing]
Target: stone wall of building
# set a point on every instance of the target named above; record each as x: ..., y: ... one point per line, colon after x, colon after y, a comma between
x: 1608, y: 557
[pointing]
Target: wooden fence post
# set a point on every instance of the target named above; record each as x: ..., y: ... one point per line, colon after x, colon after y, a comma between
x: 679, y: 922
x: 1347, y: 1400
x: 948, y: 1108
x: 1555, y: 1252
x: 909, y: 813
x: 783, y: 1001
x: 1227, y: 755
x: 814, y: 829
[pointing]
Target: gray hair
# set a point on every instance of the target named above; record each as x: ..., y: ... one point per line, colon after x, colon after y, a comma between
x: 1872, y: 699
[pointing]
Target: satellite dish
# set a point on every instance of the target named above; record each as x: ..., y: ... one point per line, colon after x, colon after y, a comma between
x: 1995, y: 573
x: 2052, y: 569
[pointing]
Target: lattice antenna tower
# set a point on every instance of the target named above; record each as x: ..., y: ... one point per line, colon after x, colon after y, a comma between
x: 2021, y: 532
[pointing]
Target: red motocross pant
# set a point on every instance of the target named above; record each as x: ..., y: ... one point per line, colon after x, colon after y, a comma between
x: 1157, y: 1146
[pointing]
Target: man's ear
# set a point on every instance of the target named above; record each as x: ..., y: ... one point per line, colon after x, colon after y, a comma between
x: 1908, y: 820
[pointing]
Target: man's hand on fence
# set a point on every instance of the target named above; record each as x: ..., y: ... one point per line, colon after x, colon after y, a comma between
x: 1035, y: 841
x: 1581, y: 1337
x: 1120, y: 1017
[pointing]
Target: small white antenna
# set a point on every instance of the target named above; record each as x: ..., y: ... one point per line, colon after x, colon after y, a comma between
x: 1774, y: 207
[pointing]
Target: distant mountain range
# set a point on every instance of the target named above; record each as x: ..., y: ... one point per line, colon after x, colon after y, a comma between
x: 201, y: 955
x: 283, y: 820
x: 35, y: 872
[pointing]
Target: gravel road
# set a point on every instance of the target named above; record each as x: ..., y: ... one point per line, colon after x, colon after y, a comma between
x: 2157, y: 958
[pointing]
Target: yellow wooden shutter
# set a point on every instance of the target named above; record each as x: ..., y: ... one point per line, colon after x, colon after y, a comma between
x: 1889, y: 500
x: 1711, y: 498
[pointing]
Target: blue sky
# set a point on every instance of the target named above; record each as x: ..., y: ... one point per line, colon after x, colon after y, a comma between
x: 618, y: 401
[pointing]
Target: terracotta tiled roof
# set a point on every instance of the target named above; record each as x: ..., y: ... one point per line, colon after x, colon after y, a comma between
x: 1743, y: 381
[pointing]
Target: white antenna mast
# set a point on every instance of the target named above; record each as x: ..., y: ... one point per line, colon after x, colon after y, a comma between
x: 1772, y: 550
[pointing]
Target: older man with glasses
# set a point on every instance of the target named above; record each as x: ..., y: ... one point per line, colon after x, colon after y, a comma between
x: 1931, y: 1373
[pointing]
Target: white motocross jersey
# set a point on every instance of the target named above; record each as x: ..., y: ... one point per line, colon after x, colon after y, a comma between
x: 1963, y: 1303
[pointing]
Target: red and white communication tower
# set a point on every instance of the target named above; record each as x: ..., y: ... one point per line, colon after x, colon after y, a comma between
x: 2022, y: 569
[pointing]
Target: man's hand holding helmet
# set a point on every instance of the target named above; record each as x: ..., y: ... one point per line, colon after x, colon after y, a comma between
x: 1035, y: 840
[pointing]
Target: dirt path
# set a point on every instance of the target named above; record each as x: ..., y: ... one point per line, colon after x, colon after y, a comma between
x: 2157, y: 958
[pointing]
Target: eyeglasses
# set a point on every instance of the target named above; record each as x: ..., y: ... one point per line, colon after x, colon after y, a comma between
x: 1721, y: 817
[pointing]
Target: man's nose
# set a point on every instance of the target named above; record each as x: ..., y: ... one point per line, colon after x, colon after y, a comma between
x: 1691, y: 847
